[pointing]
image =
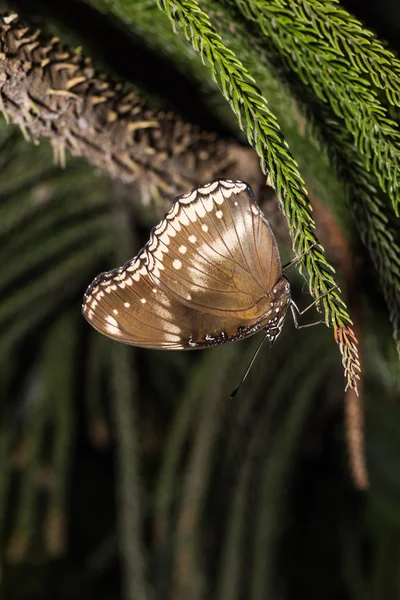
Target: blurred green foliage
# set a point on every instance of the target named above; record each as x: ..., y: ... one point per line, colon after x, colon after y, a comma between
x: 129, y: 473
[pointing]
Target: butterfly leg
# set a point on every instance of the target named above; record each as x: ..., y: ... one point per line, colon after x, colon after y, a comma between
x: 302, y: 312
x: 296, y: 312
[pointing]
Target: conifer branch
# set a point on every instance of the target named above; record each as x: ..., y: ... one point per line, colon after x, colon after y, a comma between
x: 369, y: 211
x: 364, y: 197
x: 298, y: 30
x: 264, y: 134
x: 351, y: 39
x: 51, y: 91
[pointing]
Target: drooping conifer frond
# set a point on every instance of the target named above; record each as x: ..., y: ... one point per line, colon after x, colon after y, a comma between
x: 340, y: 30
x: 370, y: 212
x: 263, y: 132
x: 323, y: 62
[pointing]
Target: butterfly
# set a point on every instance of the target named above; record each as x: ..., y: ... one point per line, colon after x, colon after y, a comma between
x: 210, y: 274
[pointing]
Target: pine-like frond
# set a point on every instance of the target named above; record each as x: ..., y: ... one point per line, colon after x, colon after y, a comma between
x: 264, y: 134
x: 312, y: 40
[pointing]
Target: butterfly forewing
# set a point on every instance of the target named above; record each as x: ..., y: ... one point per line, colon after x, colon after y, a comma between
x: 209, y: 274
x: 214, y: 250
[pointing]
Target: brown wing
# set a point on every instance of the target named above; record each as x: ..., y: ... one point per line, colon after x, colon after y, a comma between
x: 204, y: 278
x: 125, y: 305
x: 215, y: 251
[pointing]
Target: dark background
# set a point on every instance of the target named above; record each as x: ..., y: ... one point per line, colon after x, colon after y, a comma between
x: 250, y: 498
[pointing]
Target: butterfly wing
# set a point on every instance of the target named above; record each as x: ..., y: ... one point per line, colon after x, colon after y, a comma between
x: 125, y: 305
x: 215, y: 251
x: 204, y: 278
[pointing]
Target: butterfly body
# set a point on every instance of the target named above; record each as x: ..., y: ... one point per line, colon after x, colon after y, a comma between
x: 210, y: 274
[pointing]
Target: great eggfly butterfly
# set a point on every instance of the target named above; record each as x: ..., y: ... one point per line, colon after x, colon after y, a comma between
x: 210, y: 274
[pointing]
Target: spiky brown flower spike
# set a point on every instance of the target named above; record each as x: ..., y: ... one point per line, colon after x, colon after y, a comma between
x: 347, y: 342
x: 51, y: 91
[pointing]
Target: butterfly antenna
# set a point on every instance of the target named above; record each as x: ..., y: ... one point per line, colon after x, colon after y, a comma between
x: 237, y: 388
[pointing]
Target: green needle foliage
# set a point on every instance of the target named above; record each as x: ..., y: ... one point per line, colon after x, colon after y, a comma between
x: 312, y: 38
x: 365, y: 200
x: 264, y: 134
x: 130, y: 474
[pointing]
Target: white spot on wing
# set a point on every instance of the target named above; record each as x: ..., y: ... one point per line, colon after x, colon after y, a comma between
x: 191, y: 213
x: 174, y: 210
x: 213, y: 186
x: 219, y: 196
x: 228, y: 192
x: 159, y: 253
x: 176, y: 226
x: 177, y: 264
x: 219, y: 214
x: 115, y: 311
x: 208, y: 203
x: 112, y: 326
x: 127, y: 305
x: 199, y: 208
x: 189, y: 197
x: 153, y: 245
x: 182, y: 249
x: 143, y: 300
x: 170, y: 231
x: 111, y: 321
x: 183, y: 218
x: 164, y: 238
x: 204, y: 228
x: 192, y: 239
x: 132, y: 267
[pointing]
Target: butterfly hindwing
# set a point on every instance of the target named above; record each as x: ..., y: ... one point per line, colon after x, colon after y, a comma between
x: 125, y: 305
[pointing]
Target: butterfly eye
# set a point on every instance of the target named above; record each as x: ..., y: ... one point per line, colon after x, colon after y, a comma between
x: 210, y: 274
